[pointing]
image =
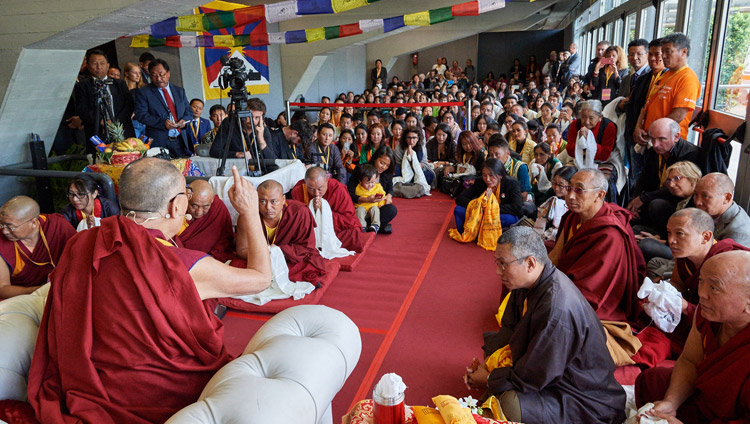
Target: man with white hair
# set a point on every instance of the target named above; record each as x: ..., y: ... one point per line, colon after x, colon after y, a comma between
x: 668, y: 149
x: 714, y: 194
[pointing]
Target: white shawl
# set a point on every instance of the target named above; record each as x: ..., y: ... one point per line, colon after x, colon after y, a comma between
x: 411, y: 172
x: 326, y: 241
x: 587, y: 145
x: 281, y: 287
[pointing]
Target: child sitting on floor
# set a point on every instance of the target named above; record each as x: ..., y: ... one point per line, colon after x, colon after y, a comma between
x: 370, y: 190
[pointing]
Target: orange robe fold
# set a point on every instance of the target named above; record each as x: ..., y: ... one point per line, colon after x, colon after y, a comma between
x: 125, y: 337
x: 23, y: 272
x: 295, y: 236
x: 212, y: 233
x: 345, y: 222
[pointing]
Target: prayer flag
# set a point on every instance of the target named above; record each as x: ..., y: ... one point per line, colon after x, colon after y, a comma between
x: 417, y: 19
x: 293, y: 37
x: 315, y: 34
x: 370, y: 24
x: 218, y: 20
x: 349, y: 30
x: 489, y: 5
x: 173, y: 41
x: 190, y: 23
x: 281, y: 11
x: 276, y: 38
x: 332, y: 32
x: 165, y: 28
x: 188, y: 41
x: 140, y: 41
x: 440, y: 15
x: 344, y: 5
x: 259, y: 39
x: 204, y: 41
x: 314, y: 7
x: 465, y: 9
x: 223, y: 41
x: 390, y: 24
x: 250, y: 14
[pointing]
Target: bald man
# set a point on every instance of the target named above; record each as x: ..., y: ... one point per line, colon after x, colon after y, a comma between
x: 690, y: 234
x: 288, y: 224
x: 710, y: 382
x: 316, y: 186
x: 126, y: 336
x: 714, y: 194
x: 31, y: 245
x: 210, y: 229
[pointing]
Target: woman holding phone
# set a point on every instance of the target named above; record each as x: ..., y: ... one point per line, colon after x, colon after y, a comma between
x: 608, y: 74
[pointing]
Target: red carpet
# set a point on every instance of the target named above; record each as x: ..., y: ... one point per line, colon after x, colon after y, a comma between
x: 349, y: 263
x: 420, y: 300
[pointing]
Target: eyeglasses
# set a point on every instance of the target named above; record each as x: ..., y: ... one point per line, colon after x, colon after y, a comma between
x: 188, y: 194
x: 502, y: 264
x: 676, y: 179
x: 576, y: 190
x: 13, y: 228
x: 161, y: 75
x: 74, y: 195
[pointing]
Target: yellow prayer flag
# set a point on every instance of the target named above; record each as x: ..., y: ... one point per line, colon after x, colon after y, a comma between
x: 315, y: 34
x: 344, y: 5
x: 223, y: 41
x: 190, y: 23
x: 419, y: 19
x: 140, y: 41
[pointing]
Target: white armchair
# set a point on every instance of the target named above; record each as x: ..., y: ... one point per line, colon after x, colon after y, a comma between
x: 289, y: 372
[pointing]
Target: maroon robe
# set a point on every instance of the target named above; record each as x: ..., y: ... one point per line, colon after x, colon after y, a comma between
x: 125, y: 337
x: 345, y: 222
x: 295, y: 235
x: 212, y: 233
x: 604, y: 261
x: 57, y: 231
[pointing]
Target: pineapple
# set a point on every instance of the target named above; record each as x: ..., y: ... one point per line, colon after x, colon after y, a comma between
x: 116, y: 131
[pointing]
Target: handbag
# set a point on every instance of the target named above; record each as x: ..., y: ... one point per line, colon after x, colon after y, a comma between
x: 408, y: 190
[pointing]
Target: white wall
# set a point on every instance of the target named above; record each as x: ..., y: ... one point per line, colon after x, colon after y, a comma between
x: 460, y: 50
x: 329, y: 74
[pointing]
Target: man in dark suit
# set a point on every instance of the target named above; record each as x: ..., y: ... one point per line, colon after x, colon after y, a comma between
x: 197, y: 127
x: 573, y: 62
x: 114, y: 95
x: 143, y: 61
x: 164, y: 108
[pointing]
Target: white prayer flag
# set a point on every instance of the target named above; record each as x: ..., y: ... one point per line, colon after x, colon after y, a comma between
x: 488, y: 5
x: 370, y: 24
x: 188, y: 41
x: 281, y: 11
x: 276, y: 38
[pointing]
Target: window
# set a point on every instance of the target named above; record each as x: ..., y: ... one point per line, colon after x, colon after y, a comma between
x: 630, y: 28
x: 617, y: 39
x: 648, y: 16
x: 608, y: 33
x: 667, y: 18
x: 734, y: 68
x: 700, y: 31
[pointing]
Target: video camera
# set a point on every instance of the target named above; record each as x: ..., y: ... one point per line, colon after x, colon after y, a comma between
x: 234, y: 77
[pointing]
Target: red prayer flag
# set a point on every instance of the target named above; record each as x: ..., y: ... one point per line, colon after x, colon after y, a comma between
x: 258, y: 39
x: 349, y: 29
x: 173, y: 41
x: 246, y: 15
x: 466, y: 9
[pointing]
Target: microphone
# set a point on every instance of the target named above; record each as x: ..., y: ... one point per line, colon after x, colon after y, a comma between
x: 188, y: 217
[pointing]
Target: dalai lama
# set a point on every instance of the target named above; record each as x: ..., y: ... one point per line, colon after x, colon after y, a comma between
x: 210, y: 229
x: 126, y: 336
x: 30, y: 247
x: 317, y: 185
x: 290, y: 225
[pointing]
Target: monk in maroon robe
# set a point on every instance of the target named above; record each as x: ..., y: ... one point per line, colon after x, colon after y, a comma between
x: 596, y: 249
x: 30, y: 247
x: 210, y: 229
x: 691, y: 239
x: 710, y: 382
x: 125, y: 336
x: 316, y: 186
x: 290, y: 225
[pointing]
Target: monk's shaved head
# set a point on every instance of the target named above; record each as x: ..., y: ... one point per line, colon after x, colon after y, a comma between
x: 148, y: 184
x: 595, y: 178
x: 201, y: 198
x: 728, y: 269
x: 20, y: 208
x: 316, y: 172
x: 271, y: 186
x: 720, y: 183
x: 697, y: 219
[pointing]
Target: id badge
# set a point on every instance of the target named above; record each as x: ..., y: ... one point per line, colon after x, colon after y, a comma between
x: 606, y: 94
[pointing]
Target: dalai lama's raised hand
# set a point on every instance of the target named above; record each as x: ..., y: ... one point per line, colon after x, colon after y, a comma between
x: 243, y: 195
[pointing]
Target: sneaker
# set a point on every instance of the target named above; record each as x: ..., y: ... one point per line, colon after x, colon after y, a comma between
x: 387, y: 229
x: 364, y: 229
x: 373, y: 229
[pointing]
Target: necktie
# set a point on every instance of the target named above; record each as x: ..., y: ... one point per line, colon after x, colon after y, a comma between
x: 633, y: 80
x: 170, y: 104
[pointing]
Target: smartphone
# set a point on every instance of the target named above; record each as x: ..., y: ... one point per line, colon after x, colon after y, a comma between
x: 607, y: 61
x: 379, y: 196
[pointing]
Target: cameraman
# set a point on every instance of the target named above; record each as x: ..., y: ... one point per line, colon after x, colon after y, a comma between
x: 113, y: 93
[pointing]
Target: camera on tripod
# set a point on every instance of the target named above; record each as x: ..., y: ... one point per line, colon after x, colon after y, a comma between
x: 234, y: 77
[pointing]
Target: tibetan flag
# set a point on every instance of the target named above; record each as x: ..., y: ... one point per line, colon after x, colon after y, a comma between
x: 165, y: 28
x: 218, y: 20
x: 315, y: 34
x: 344, y: 5
x: 190, y: 23
x: 489, y: 5
x: 235, y: 42
x: 465, y: 9
x: 314, y: 7
x: 390, y: 24
x: 293, y: 37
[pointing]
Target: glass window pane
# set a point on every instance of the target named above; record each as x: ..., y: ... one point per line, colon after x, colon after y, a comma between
x: 734, y: 68
x: 700, y: 31
x: 648, y: 16
x: 630, y: 28
x: 608, y: 33
x: 667, y: 18
x: 617, y: 39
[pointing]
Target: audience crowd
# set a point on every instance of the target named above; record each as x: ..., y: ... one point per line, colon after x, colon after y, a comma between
x: 593, y: 156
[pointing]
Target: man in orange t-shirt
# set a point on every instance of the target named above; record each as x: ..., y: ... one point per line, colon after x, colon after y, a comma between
x: 673, y: 94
